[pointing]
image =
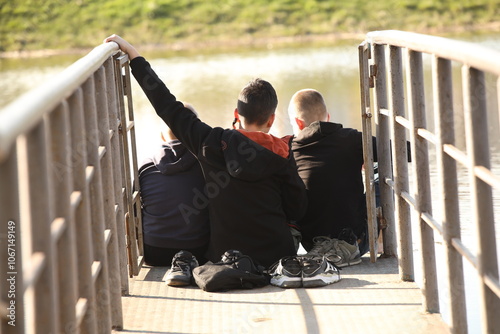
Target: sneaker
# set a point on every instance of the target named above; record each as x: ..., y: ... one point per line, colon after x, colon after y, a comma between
x: 287, y: 273
x: 318, y: 271
x: 321, y: 246
x: 343, y: 254
x: 180, y: 273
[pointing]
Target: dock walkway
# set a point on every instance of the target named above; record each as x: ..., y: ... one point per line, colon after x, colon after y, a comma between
x: 370, y: 298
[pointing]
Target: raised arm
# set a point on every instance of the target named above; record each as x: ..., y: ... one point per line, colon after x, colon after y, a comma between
x: 183, y: 122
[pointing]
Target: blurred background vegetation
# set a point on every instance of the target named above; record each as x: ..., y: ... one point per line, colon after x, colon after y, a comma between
x: 66, y: 24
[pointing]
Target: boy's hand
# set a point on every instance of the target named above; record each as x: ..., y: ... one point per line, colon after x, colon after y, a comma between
x: 124, y: 46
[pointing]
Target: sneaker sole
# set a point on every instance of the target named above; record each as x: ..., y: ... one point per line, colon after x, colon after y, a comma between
x: 174, y: 282
x: 318, y: 281
x: 352, y: 263
x: 287, y: 282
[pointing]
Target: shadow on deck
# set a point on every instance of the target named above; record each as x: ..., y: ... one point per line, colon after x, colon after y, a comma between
x: 369, y: 298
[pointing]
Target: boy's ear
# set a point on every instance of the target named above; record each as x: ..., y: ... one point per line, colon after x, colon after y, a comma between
x: 300, y: 123
x: 328, y: 118
x: 236, y: 119
x: 270, y: 121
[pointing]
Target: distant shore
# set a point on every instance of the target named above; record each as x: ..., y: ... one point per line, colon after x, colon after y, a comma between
x: 249, y: 41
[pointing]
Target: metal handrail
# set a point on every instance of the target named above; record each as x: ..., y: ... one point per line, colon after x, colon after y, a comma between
x: 470, y: 54
x: 26, y: 111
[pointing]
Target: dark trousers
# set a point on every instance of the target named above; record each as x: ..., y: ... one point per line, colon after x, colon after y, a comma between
x: 162, y: 257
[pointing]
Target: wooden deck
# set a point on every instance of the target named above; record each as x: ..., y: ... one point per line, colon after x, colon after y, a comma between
x: 370, y: 298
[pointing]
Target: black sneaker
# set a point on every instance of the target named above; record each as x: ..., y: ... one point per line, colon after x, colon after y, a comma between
x: 318, y: 271
x: 286, y: 273
x: 180, y: 273
x: 241, y: 261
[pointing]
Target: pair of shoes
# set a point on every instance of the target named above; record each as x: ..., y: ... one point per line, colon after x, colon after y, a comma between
x: 303, y: 271
x: 342, y: 253
x: 181, y: 271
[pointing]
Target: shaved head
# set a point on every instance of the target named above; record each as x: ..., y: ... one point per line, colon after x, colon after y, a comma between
x: 309, y: 106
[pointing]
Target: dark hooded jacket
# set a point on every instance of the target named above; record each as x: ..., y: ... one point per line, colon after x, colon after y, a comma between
x: 169, y: 181
x: 330, y: 158
x: 252, y: 186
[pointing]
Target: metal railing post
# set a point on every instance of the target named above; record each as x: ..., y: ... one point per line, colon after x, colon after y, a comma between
x: 399, y: 157
x: 448, y: 187
x: 62, y: 176
x: 383, y: 151
x: 476, y: 125
x: 99, y: 237
x: 40, y: 192
x: 113, y: 106
x: 109, y: 198
x: 86, y: 316
x: 133, y: 251
x: 420, y: 158
x: 11, y: 274
x: 364, y: 52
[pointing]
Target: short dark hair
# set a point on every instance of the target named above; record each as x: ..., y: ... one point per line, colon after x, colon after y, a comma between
x: 257, y: 101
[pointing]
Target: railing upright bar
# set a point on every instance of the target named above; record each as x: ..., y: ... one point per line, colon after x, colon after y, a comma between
x: 85, y: 254
x: 383, y: 151
x: 62, y: 175
x: 113, y: 105
x: 46, y: 308
x: 96, y: 200
x: 132, y: 249
x: 420, y: 158
x: 136, y: 187
x: 364, y: 52
x: 476, y: 125
x: 399, y: 157
x: 109, y: 198
x: 11, y: 275
x: 448, y: 187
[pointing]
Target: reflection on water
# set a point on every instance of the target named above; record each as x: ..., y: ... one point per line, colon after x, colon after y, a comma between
x: 212, y: 82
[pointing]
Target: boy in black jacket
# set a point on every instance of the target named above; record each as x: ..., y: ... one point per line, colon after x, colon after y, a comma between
x: 253, y: 190
x: 330, y: 161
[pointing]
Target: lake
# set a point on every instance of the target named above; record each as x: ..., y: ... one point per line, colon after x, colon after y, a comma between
x: 211, y: 83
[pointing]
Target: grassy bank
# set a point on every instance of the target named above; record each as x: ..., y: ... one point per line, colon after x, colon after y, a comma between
x: 67, y: 24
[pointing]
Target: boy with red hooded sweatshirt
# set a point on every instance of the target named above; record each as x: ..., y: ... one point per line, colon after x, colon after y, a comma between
x: 253, y: 190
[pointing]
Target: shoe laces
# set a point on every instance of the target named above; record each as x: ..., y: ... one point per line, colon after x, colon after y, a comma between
x: 181, y: 264
x: 341, y: 249
x: 291, y: 264
x: 321, y: 245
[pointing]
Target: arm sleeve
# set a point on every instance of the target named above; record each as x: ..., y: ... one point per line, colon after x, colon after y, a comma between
x: 185, y: 125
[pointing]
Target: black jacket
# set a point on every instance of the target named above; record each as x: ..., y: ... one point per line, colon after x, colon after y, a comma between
x: 169, y: 180
x: 330, y: 158
x: 251, y: 192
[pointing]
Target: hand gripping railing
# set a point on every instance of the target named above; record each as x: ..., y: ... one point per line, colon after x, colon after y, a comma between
x: 397, y: 114
x: 64, y: 196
